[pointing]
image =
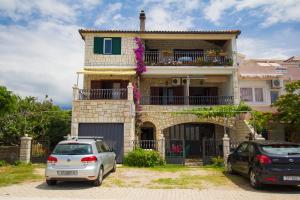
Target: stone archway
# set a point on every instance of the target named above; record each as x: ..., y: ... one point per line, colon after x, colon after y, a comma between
x: 163, y: 120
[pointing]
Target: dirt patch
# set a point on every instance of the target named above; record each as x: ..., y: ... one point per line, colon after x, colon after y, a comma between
x: 189, y: 178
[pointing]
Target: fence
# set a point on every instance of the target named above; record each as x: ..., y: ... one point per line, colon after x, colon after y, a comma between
x: 10, y: 154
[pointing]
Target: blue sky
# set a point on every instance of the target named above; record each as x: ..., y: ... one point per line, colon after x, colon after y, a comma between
x: 40, y: 48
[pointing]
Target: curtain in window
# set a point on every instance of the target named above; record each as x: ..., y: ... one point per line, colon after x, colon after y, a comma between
x: 259, y: 97
x: 246, y: 94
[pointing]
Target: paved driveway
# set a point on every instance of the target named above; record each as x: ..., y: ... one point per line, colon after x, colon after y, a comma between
x: 74, y: 191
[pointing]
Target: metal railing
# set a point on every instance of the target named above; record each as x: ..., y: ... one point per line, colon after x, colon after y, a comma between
x: 186, y: 100
x: 146, y: 144
x: 93, y: 94
x: 195, y: 58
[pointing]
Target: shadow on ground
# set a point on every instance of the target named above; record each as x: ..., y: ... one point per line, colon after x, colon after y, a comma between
x: 68, y: 185
x: 244, y: 184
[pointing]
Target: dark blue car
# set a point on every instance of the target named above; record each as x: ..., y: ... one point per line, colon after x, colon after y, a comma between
x: 266, y: 162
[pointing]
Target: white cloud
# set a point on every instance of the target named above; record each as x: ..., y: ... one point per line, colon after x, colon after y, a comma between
x: 271, y: 47
x: 170, y: 14
x: 24, y: 9
x: 40, y: 59
x: 274, y: 11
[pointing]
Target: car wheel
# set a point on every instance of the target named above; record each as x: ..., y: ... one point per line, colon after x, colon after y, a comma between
x: 229, y: 168
x: 98, y: 181
x: 114, y: 169
x: 51, y: 182
x: 254, y: 182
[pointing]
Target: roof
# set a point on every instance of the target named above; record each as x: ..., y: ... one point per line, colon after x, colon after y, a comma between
x: 236, y: 32
x: 260, y: 69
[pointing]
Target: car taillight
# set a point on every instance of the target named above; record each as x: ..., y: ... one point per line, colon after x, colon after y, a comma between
x: 89, y: 159
x: 263, y: 159
x: 52, y: 160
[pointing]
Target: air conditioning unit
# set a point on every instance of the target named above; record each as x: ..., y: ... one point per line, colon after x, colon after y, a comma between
x: 276, y: 83
x: 175, y: 81
x: 185, y: 81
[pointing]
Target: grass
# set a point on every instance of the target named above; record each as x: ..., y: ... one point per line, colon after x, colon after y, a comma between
x: 17, y: 174
x: 216, y: 178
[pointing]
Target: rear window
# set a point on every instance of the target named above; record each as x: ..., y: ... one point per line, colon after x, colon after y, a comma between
x: 73, y: 149
x: 282, y: 149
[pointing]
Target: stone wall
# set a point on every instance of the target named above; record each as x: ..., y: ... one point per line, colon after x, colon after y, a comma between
x: 126, y: 58
x: 164, y: 116
x: 9, y: 153
x: 105, y: 111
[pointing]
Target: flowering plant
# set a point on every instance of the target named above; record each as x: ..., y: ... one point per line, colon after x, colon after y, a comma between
x: 137, y: 96
x: 139, y: 56
x: 176, y: 149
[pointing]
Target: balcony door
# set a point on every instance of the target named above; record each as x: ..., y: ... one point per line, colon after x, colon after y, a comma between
x: 203, y: 95
x: 108, y: 89
x: 166, y: 95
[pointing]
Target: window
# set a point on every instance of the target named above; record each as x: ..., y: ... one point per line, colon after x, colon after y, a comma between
x: 107, y: 46
x: 73, y: 149
x: 274, y: 96
x: 246, y: 94
x: 259, y: 95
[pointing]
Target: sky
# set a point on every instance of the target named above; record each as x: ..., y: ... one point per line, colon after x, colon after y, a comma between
x: 41, y: 49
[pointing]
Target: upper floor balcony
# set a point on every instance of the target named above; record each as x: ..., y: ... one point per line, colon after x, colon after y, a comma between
x: 187, y: 57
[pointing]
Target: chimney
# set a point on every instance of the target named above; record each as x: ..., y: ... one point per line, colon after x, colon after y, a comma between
x: 142, y: 20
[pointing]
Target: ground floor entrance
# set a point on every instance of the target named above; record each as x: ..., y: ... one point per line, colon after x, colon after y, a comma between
x: 192, y: 134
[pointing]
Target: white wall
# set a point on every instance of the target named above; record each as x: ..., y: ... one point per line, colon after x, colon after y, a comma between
x: 265, y: 84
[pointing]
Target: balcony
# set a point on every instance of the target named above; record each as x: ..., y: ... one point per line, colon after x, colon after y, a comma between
x: 186, y: 100
x: 95, y: 94
x: 190, y: 58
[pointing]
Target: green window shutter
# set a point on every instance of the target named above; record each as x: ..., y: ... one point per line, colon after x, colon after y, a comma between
x: 98, y: 45
x: 116, y: 46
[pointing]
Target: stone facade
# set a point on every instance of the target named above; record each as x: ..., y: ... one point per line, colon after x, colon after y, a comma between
x: 167, y: 117
x: 105, y: 111
x: 125, y: 59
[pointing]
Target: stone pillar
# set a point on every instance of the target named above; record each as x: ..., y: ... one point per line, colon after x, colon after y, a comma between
x: 161, y: 144
x: 226, y: 148
x: 75, y: 92
x: 25, y: 149
x: 236, y: 90
x: 130, y: 92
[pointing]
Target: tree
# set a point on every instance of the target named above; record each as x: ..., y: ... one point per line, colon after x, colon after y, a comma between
x: 288, y: 106
x: 7, y: 101
x: 38, y: 119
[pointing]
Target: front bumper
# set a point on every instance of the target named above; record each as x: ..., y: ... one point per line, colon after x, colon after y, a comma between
x: 87, y: 173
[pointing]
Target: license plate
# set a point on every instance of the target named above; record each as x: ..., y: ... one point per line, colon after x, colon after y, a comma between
x: 67, y: 173
x: 291, y: 178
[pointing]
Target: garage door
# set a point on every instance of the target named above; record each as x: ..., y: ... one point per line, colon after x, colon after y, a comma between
x: 112, y: 133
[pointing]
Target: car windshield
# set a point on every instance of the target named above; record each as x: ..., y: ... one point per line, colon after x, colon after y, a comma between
x: 282, y: 149
x: 73, y: 149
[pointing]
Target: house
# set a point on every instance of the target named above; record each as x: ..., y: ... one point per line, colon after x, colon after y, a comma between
x: 262, y: 81
x: 185, y: 70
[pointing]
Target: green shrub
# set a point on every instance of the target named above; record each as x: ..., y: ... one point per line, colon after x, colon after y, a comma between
x: 143, y: 158
x: 217, y: 161
x: 3, y: 163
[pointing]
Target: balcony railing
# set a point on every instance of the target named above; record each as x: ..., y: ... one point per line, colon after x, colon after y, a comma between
x: 146, y: 144
x: 186, y: 100
x: 93, y: 94
x: 193, y: 58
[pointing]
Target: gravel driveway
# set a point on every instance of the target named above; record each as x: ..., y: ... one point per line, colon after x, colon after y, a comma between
x: 132, y: 183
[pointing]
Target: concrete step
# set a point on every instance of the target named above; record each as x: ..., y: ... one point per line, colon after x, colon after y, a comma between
x: 193, y: 162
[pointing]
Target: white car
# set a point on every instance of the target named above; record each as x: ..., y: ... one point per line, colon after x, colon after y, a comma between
x: 80, y: 158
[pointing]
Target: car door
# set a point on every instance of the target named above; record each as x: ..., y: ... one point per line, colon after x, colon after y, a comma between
x: 105, y: 151
x: 110, y: 156
x: 101, y: 154
x: 242, y: 157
